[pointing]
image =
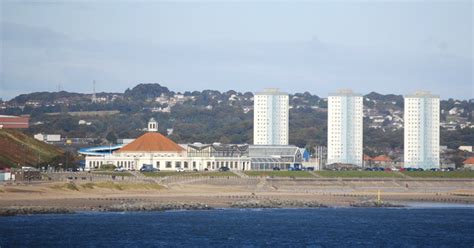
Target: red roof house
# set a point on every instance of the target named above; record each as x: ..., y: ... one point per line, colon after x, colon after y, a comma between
x: 469, y: 163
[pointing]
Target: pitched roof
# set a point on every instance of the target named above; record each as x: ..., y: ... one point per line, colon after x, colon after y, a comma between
x: 152, y: 142
x: 367, y: 157
x: 469, y: 160
x: 382, y: 158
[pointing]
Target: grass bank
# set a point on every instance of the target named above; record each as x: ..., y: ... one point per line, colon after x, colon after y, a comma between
x: 358, y: 174
x: 278, y: 174
x: 189, y: 174
x: 440, y: 174
x: 112, y: 173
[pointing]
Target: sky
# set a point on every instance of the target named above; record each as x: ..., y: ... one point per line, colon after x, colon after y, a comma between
x: 395, y: 47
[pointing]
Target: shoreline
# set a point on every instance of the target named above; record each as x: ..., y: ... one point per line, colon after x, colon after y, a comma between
x: 223, y: 193
x: 32, y: 211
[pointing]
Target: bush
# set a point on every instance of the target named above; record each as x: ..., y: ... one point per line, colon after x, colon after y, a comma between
x: 107, y: 167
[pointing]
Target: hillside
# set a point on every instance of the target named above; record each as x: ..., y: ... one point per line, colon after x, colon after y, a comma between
x: 212, y: 116
x: 17, y: 148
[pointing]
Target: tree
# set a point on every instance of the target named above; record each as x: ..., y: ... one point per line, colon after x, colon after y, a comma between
x: 111, y: 137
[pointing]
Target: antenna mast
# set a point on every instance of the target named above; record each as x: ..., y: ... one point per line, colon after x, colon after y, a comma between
x: 94, y: 98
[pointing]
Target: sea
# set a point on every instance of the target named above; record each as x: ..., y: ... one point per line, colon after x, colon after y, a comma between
x: 324, y: 227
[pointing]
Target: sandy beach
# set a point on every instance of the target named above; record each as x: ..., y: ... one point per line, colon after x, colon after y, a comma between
x: 226, y: 192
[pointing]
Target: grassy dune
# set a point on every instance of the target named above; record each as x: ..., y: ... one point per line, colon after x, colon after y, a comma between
x: 122, y: 186
x: 107, y: 185
x: 65, y: 186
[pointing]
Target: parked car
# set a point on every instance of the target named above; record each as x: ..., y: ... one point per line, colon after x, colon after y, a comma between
x: 119, y: 169
x: 276, y: 168
x: 195, y: 170
x: 309, y: 168
x: 206, y: 169
x: 147, y: 168
x: 224, y: 169
x: 179, y: 169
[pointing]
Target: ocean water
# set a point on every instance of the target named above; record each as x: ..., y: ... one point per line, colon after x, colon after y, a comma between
x: 330, y: 227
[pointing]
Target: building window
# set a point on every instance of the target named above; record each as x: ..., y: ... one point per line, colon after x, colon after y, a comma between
x: 177, y: 164
x: 158, y: 164
x: 168, y: 164
x: 185, y: 164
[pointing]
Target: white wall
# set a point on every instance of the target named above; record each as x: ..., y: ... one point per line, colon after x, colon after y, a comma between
x: 345, y: 137
x: 421, y: 131
x: 271, y: 118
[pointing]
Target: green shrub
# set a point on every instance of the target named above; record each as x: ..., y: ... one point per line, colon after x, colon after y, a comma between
x: 107, y: 167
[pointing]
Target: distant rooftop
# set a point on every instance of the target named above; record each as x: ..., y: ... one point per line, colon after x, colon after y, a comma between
x: 422, y: 94
x: 271, y: 91
x: 345, y: 92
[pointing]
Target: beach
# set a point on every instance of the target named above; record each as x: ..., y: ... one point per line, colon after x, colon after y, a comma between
x: 102, y: 195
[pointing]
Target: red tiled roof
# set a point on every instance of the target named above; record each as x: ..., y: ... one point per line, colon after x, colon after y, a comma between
x: 382, y: 158
x: 367, y: 157
x: 469, y: 161
x: 152, y: 142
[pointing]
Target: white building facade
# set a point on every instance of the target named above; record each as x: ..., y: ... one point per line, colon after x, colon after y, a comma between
x: 155, y: 150
x: 345, y: 127
x: 421, y: 131
x: 271, y: 118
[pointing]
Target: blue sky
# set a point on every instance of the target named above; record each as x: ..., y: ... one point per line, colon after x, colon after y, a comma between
x: 315, y: 46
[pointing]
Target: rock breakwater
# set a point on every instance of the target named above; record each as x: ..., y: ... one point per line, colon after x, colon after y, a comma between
x: 276, y: 204
x: 12, y: 211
